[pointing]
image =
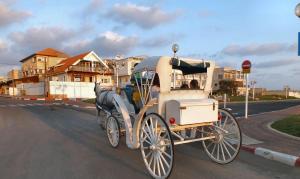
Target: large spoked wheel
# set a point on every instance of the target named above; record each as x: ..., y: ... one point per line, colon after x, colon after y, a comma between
x: 113, y: 131
x: 157, y: 146
x: 227, y: 142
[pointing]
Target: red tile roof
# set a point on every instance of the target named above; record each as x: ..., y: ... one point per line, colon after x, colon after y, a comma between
x: 48, y: 52
x: 63, y: 65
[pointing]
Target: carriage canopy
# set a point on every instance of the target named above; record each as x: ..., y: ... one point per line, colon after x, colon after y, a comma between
x: 164, y: 66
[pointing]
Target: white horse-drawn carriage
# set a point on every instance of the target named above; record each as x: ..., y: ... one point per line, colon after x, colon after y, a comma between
x: 168, y: 104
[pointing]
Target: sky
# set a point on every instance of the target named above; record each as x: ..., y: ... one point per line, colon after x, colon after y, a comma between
x: 227, y: 31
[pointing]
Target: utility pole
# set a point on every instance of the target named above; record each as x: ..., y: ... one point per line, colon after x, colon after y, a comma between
x: 45, y: 76
x: 253, y: 89
x: 286, y: 88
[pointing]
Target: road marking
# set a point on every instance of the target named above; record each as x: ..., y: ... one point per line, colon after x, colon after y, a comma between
x: 22, y: 105
x: 90, y: 107
x: 12, y: 105
x: 2, y: 105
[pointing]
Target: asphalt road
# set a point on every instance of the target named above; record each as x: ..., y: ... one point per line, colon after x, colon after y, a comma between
x: 42, y: 142
x: 258, y: 107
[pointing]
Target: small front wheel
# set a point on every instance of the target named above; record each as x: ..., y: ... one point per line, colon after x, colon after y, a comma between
x: 157, y: 146
x: 113, y: 131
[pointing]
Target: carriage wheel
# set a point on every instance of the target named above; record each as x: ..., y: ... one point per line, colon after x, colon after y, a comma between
x: 226, y: 144
x: 156, y: 146
x: 113, y: 131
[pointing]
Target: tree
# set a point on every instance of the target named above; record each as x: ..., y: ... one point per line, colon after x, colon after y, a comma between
x: 228, y: 86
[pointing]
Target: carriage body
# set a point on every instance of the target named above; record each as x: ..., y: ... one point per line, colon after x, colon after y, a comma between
x: 186, y: 106
x: 159, y: 110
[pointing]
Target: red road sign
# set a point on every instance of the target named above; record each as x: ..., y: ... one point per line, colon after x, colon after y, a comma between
x: 246, y: 66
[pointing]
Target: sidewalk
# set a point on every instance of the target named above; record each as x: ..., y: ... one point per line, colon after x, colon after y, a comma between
x: 257, y: 127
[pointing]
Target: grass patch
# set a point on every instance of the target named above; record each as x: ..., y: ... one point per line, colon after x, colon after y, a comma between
x: 289, y: 125
x: 91, y: 101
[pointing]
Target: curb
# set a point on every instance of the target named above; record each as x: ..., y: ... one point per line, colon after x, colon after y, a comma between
x: 281, y: 133
x: 273, y: 155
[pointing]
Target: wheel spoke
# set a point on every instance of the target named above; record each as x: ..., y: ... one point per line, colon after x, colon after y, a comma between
x: 209, y: 145
x: 164, y: 160
x: 163, y: 152
x: 158, y: 165
x: 218, y: 152
x: 234, y: 149
x: 145, y: 140
x: 231, y: 139
x: 154, y: 163
x: 146, y: 156
x: 150, y: 131
x: 226, y: 150
x: 224, y: 124
x: 213, y: 151
x: 147, y: 134
x: 151, y: 160
x: 221, y: 146
x: 161, y: 164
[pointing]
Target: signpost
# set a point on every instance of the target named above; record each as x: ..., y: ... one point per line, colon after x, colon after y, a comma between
x: 298, y: 43
x: 246, y: 68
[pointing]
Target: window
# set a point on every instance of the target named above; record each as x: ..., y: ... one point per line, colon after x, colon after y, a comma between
x: 41, y: 71
x: 220, y: 77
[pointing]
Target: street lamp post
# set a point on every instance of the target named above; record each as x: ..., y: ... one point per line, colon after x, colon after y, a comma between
x: 116, y: 67
x: 175, y: 48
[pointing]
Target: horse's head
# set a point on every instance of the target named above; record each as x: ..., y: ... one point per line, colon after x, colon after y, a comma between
x: 97, y: 87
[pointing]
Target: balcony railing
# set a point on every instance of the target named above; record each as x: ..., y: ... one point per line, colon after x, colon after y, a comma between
x: 89, y: 69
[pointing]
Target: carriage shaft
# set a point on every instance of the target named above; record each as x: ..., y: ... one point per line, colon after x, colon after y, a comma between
x: 183, y: 127
x: 193, y: 140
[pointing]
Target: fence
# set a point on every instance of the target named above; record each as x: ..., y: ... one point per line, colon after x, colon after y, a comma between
x: 72, y: 89
x: 294, y: 94
x: 32, y: 89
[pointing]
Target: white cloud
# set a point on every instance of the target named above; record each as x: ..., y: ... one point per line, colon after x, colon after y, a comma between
x: 9, y: 16
x: 107, y: 44
x: 3, y: 46
x: 161, y: 40
x: 37, y: 38
x: 92, y: 8
x: 146, y: 17
x: 278, y: 62
x: 258, y: 49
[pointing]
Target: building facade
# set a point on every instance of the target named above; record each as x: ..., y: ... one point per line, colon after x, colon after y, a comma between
x: 85, y: 67
x: 14, y: 74
x: 40, y: 62
x: 123, y: 69
x: 229, y: 74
